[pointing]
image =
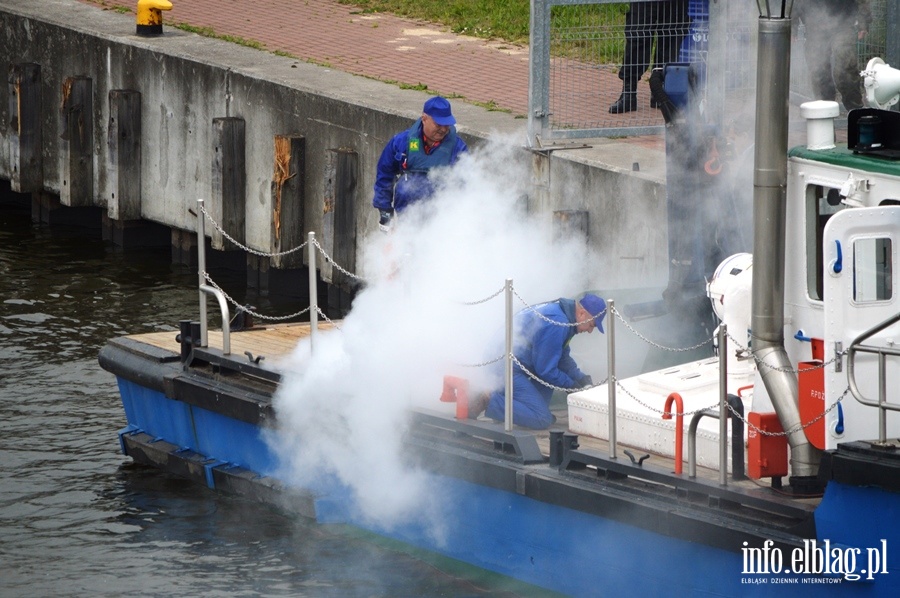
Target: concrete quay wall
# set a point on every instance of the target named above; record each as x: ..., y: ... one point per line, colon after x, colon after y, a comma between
x: 207, y: 114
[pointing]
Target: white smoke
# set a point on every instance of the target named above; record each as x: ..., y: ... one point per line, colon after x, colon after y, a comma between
x: 342, y: 411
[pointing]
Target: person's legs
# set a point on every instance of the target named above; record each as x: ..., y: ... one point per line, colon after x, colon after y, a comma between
x: 530, y: 406
x: 672, y: 25
x: 638, y: 43
x: 818, y: 60
x: 845, y: 68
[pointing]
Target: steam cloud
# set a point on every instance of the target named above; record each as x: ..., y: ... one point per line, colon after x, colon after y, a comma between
x: 342, y: 410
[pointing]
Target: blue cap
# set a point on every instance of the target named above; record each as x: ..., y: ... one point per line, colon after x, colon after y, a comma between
x: 596, y: 307
x: 438, y: 109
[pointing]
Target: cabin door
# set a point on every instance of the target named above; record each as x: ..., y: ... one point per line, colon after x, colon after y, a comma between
x: 860, y: 292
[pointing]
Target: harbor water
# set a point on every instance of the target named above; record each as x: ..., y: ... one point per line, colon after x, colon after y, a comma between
x: 78, y: 518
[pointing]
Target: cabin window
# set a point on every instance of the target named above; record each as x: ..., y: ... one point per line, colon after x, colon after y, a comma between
x: 872, y: 279
x: 821, y: 204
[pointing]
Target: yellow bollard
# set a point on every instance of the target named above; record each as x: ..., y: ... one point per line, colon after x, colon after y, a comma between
x: 149, y: 16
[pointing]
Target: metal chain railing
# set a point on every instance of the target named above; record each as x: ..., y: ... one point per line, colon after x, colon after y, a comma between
x: 533, y: 308
x: 340, y: 268
x: 535, y: 377
x: 784, y: 370
x: 657, y: 345
x: 326, y: 318
x: 246, y: 309
x: 485, y: 300
x: 243, y: 247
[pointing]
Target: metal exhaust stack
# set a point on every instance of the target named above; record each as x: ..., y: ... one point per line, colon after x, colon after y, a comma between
x: 769, y: 209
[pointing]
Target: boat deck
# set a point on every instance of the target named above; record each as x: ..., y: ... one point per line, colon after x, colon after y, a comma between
x: 275, y: 342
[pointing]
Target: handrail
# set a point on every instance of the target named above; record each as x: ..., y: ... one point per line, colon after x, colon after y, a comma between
x: 856, y: 346
x: 223, y: 308
x: 736, y: 414
x: 205, y: 289
x: 679, y: 426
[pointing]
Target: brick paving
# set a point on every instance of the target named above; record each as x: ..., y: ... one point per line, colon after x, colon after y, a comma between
x: 381, y: 46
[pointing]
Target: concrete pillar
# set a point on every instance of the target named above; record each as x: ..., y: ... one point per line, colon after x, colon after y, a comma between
x: 24, y: 131
x: 76, y: 145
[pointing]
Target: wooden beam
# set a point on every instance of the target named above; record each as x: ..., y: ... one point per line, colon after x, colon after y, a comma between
x: 76, y: 148
x: 24, y: 133
x: 124, y: 163
x: 229, y: 182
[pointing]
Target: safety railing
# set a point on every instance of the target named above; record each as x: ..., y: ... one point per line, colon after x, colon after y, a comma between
x: 881, y: 353
x: 722, y: 409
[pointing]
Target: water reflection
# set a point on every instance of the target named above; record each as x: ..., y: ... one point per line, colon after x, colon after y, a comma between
x: 77, y: 518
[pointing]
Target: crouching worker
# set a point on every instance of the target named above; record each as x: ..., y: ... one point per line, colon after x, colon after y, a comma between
x: 542, y: 347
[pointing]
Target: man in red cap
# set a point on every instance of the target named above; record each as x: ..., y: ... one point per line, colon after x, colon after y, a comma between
x: 402, y: 171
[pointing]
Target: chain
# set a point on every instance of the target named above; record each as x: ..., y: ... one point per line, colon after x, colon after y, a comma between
x: 736, y: 415
x: 326, y: 318
x: 657, y: 345
x: 799, y: 426
x: 545, y: 318
x: 784, y: 370
x: 334, y: 263
x: 482, y: 364
x: 547, y: 384
x: 253, y: 313
x: 241, y: 245
x: 660, y: 411
x: 486, y: 299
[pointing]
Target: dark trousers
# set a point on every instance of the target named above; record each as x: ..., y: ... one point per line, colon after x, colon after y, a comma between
x: 664, y: 20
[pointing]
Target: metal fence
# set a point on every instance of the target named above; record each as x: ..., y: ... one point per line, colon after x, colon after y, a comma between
x: 582, y: 50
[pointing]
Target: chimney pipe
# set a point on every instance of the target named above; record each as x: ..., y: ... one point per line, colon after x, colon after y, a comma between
x: 769, y: 210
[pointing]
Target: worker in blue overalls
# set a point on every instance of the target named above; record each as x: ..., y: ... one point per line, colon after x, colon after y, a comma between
x: 543, y: 334
x: 402, y: 171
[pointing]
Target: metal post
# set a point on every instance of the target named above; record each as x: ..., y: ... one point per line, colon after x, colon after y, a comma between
x: 611, y: 377
x: 313, y: 291
x: 508, y: 417
x: 201, y: 271
x: 882, y: 398
x: 723, y: 398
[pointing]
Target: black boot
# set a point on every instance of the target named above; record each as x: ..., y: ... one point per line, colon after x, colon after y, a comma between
x: 627, y: 101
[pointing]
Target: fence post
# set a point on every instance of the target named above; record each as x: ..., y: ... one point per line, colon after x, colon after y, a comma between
x: 723, y: 398
x: 201, y: 270
x: 313, y: 291
x: 611, y: 366
x: 508, y: 417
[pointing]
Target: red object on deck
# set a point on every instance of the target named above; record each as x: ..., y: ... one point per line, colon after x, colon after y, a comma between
x: 766, y: 455
x: 456, y: 390
x: 679, y: 426
x: 811, y: 382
